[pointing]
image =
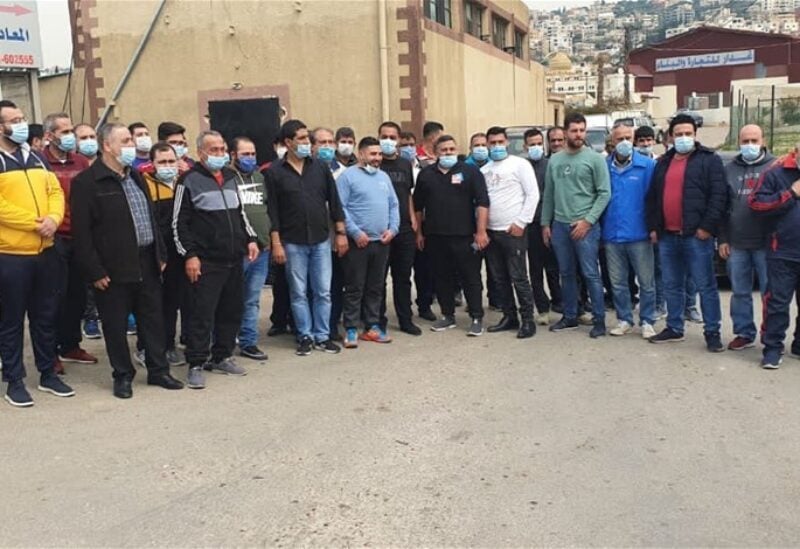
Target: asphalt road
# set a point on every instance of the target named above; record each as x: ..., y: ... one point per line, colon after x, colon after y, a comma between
x: 439, y: 440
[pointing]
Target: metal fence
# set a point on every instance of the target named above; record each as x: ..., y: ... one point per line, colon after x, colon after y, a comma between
x: 776, y: 108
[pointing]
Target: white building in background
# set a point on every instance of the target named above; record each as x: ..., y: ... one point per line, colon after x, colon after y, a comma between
x: 779, y: 6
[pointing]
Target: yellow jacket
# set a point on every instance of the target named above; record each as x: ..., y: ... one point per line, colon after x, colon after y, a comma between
x: 28, y: 191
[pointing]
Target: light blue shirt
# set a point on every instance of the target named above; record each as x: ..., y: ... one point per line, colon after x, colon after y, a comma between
x: 369, y: 202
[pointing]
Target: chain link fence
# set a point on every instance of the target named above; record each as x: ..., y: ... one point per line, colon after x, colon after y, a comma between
x: 776, y: 108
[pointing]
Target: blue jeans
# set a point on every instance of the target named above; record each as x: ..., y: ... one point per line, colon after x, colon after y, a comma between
x: 683, y: 256
x: 571, y: 253
x: 309, y: 265
x: 255, y: 274
x: 639, y: 255
x: 691, y: 290
x: 742, y: 265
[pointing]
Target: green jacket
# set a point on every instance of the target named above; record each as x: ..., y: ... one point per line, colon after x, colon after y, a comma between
x: 253, y: 194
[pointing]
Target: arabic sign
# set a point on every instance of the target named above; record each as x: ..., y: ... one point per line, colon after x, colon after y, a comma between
x: 20, y: 41
x: 742, y: 57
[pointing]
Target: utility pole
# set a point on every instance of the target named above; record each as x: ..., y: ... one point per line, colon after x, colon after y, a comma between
x: 626, y: 61
x: 601, y: 61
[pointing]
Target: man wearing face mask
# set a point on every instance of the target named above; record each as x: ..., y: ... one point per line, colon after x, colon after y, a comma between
x: 403, y: 245
x: 540, y: 257
x: 175, y: 135
x: 161, y: 177
x: 214, y: 235
x: 686, y: 205
x: 253, y: 195
x: 452, y: 208
x: 345, y: 147
x: 645, y: 139
x: 514, y: 196
x: 121, y: 252
x: 743, y: 236
x: 87, y: 142
x: 426, y: 152
x: 625, y: 234
x: 66, y: 164
x: 300, y: 234
x: 31, y: 209
x: 478, y: 150
x: 143, y: 141
x: 372, y: 220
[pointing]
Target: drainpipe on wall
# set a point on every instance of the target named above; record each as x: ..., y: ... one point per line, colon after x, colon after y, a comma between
x: 129, y: 69
x: 384, y: 51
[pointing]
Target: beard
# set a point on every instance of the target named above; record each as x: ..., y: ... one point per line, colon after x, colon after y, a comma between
x: 575, y: 144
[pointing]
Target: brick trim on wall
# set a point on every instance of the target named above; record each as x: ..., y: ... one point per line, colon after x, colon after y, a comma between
x: 414, y: 106
x: 86, y: 55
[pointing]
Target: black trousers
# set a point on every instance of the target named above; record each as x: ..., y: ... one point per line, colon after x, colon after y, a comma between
x: 507, y: 264
x: 174, y: 298
x: 281, y: 315
x: 453, y: 259
x: 337, y: 291
x: 402, y: 251
x: 72, y: 297
x: 217, y: 305
x: 28, y: 285
x: 143, y: 299
x: 90, y: 311
x: 423, y: 279
x: 365, y: 283
x: 541, y: 259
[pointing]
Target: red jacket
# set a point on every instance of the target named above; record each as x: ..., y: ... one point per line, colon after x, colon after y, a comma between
x: 66, y: 171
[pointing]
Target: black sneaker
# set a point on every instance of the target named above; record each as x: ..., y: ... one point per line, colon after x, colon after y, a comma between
x: 304, y: 347
x: 475, y: 328
x: 598, y: 330
x: 565, y: 324
x: 251, y: 351
x: 771, y: 361
x: 411, y: 329
x: 444, y: 323
x: 427, y: 314
x: 666, y: 336
x: 714, y: 343
x: 52, y: 384
x: 17, y: 395
x: 327, y: 346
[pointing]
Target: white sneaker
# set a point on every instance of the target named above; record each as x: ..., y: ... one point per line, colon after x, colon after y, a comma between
x: 586, y: 318
x: 543, y: 319
x: 621, y: 329
x: 648, y: 331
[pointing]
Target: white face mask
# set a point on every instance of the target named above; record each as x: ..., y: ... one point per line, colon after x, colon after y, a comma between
x: 280, y: 151
x: 345, y: 149
x: 144, y: 143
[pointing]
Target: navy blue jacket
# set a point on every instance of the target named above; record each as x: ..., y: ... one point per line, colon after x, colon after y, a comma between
x: 705, y: 192
x: 625, y: 219
x: 773, y: 198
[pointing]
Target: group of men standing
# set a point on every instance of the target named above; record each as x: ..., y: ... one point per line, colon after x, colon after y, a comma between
x: 155, y: 232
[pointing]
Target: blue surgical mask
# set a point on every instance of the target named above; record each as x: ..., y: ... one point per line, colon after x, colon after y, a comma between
x: 372, y: 170
x: 536, y: 152
x: 326, y: 154
x: 180, y: 150
x: 167, y: 174
x: 303, y: 150
x: 127, y: 155
x: 624, y: 148
x: 409, y: 152
x: 684, y: 144
x: 215, y: 163
x: 448, y: 161
x: 480, y: 153
x: 88, y: 147
x: 19, y: 133
x: 750, y: 152
x: 247, y: 163
x: 388, y: 147
x: 498, y: 152
x: 66, y: 142
x: 647, y: 151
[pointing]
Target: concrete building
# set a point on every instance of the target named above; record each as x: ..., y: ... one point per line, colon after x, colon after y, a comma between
x: 464, y: 63
x: 703, y: 69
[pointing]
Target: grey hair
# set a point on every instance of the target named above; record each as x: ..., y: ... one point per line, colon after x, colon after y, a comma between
x: 107, y: 129
x: 621, y: 124
x: 202, y: 136
x: 49, y: 124
x: 313, y: 133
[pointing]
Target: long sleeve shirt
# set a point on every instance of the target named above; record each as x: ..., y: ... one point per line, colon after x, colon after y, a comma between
x: 513, y: 193
x: 369, y: 202
x: 577, y: 186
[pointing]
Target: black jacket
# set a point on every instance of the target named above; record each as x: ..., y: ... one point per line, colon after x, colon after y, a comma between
x: 209, y: 221
x: 102, y: 226
x: 705, y: 192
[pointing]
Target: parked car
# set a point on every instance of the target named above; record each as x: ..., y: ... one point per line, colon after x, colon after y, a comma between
x: 698, y: 118
x: 596, y: 138
x: 637, y: 122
